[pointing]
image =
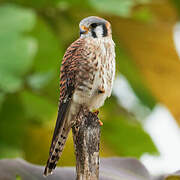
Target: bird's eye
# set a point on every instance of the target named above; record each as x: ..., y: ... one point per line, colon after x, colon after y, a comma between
x: 93, y: 25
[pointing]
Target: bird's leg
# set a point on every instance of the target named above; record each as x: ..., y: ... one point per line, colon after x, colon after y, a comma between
x: 96, y: 112
x: 100, y: 122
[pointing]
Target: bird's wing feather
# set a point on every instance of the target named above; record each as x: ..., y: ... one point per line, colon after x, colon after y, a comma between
x: 67, y: 82
x: 67, y: 87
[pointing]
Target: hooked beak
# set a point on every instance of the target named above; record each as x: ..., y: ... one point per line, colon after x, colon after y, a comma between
x: 83, y: 30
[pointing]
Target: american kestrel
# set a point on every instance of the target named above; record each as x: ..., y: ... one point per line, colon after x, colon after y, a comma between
x: 86, y: 79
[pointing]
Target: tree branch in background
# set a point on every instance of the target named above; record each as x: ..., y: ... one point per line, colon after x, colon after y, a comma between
x: 86, y: 135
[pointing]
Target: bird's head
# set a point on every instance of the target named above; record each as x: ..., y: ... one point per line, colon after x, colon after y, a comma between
x: 95, y: 27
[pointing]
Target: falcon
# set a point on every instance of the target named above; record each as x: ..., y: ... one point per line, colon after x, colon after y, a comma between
x: 86, y: 79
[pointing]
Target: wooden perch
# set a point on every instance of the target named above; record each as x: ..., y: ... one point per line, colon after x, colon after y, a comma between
x: 86, y: 135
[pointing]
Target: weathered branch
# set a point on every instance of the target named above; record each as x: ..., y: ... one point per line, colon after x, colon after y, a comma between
x: 86, y: 135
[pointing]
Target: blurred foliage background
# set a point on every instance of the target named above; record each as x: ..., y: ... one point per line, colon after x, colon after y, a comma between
x: 33, y: 38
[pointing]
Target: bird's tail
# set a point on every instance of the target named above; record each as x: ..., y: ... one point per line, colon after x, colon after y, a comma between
x: 56, y: 150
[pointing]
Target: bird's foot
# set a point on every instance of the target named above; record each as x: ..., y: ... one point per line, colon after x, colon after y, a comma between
x: 96, y: 112
x: 100, y: 122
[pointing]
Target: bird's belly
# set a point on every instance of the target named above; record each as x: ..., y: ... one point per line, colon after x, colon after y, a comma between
x: 92, y: 98
x: 97, y: 101
x: 92, y: 102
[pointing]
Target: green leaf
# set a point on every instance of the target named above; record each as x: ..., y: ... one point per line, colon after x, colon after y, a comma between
x: 15, y: 19
x: 40, y: 80
x: 173, y: 177
x: 128, y: 138
x: 124, y: 133
x: 16, y: 49
x: 49, y: 52
x: 126, y: 66
x: 37, y: 107
x: 116, y: 7
x: 176, y: 3
x: 36, y: 4
x: 12, y: 123
x: 8, y: 151
x: 2, y: 97
x: 48, y: 57
x: 18, y: 177
x: 143, y: 15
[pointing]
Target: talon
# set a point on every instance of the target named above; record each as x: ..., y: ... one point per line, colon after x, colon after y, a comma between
x: 100, y: 122
x: 96, y: 112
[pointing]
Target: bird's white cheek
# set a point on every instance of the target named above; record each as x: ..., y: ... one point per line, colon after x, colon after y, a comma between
x: 99, y: 31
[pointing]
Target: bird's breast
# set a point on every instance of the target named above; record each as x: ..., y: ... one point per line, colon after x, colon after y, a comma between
x: 100, y: 74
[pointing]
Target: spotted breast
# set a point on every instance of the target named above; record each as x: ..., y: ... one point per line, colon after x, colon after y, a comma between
x: 98, y: 70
